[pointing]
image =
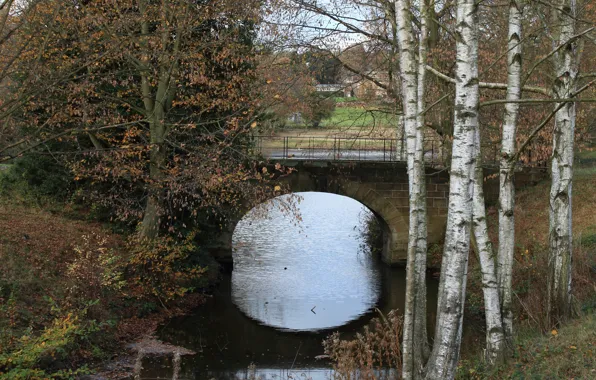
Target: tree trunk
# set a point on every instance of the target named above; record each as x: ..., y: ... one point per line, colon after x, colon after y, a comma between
x: 506, y: 172
x: 418, y: 202
x: 495, y: 338
x: 452, y: 287
x: 156, y: 104
x: 415, y: 341
x: 157, y: 157
x: 560, y: 231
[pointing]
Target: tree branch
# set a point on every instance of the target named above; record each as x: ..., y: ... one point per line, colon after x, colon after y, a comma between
x: 515, y: 157
x: 494, y: 86
x: 536, y: 101
x: 8, y: 157
x: 553, y: 52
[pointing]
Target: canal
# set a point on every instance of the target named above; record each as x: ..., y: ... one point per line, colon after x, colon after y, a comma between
x: 297, y: 278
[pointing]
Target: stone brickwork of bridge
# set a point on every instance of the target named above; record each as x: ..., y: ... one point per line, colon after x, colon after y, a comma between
x: 382, y: 188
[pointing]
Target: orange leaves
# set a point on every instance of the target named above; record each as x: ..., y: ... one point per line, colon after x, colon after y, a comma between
x: 160, y: 267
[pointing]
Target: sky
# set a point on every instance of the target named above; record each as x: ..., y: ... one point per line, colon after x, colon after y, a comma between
x: 292, y: 25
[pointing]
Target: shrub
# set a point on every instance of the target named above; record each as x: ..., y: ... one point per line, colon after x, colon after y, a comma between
x: 165, y: 268
x: 35, y: 177
x: 373, y: 354
x: 370, y: 233
x: 30, y: 357
x: 320, y: 107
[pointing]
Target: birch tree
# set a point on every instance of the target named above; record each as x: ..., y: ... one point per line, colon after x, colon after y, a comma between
x: 565, y: 65
x: 412, y: 71
x: 506, y: 169
x: 442, y: 363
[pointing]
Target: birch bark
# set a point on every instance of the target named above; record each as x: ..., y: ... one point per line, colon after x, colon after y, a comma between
x: 418, y: 202
x: 495, y: 339
x: 452, y: 287
x: 560, y: 231
x: 415, y: 342
x: 506, y: 171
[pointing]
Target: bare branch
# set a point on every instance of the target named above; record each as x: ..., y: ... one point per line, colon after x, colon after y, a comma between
x: 494, y: 86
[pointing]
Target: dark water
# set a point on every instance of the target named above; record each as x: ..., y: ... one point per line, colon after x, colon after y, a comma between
x: 292, y: 285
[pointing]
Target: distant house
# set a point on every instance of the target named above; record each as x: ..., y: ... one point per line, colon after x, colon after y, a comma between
x: 363, y: 88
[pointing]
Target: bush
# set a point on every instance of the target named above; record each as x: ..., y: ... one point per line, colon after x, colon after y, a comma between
x: 370, y: 233
x: 320, y: 107
x: 165, y: 268
x: 373, y: 354
x: 32, y: 357
x: 35, y: 177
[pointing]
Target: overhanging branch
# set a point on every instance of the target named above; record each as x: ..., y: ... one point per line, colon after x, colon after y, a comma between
x: 489, y: 85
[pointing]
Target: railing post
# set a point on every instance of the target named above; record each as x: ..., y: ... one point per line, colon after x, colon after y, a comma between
x: 335, y: 156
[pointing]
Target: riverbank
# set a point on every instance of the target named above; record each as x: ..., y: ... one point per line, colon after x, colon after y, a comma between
x: 67, y: 305
x: 565, y: 353
x: 543, y: 350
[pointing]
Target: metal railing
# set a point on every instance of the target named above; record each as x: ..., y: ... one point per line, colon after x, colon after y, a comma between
x: 321, y: 148
x: 356, y: 148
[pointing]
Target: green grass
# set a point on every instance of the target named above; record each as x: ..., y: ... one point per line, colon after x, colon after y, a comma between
x: 341, y: 99
x: 355, y: 117
x: 586, y: 158
x: 562, y: 354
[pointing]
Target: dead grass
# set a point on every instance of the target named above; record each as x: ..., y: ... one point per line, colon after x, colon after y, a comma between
x: 542, y: 351
x: 53, y: 265
x: 568, y: 353
x: 531, y: 256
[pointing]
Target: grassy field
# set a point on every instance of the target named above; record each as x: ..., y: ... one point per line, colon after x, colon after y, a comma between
x: 355, y: 117
x: 353, y: 120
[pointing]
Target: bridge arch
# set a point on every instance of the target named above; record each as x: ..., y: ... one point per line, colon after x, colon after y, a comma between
x: 383, y: 188
x: 393, y: 222
x: 392, y: 219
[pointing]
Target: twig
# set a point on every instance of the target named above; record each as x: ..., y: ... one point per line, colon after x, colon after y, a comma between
x: 526, y: 309
x: 300, y: 345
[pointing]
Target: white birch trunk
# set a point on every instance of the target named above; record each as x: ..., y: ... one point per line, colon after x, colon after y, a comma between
x: 506, y: 172
x: 415, y: 342
x: 452, y: 287
x: 560, y: 232
x: 495, y: 338
x: 418, y: 203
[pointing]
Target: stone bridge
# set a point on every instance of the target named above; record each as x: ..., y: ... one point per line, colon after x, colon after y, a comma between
x: 383, y: 188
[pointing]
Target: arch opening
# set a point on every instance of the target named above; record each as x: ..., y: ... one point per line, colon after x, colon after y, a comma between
x: 307, y: 274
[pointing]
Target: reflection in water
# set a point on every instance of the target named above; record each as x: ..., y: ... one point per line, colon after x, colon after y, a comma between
x: 309, y: 276
x: 324, y: 269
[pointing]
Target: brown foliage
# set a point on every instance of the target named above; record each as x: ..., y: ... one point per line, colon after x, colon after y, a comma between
x: 153, y: 102
x: 373, y: 354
